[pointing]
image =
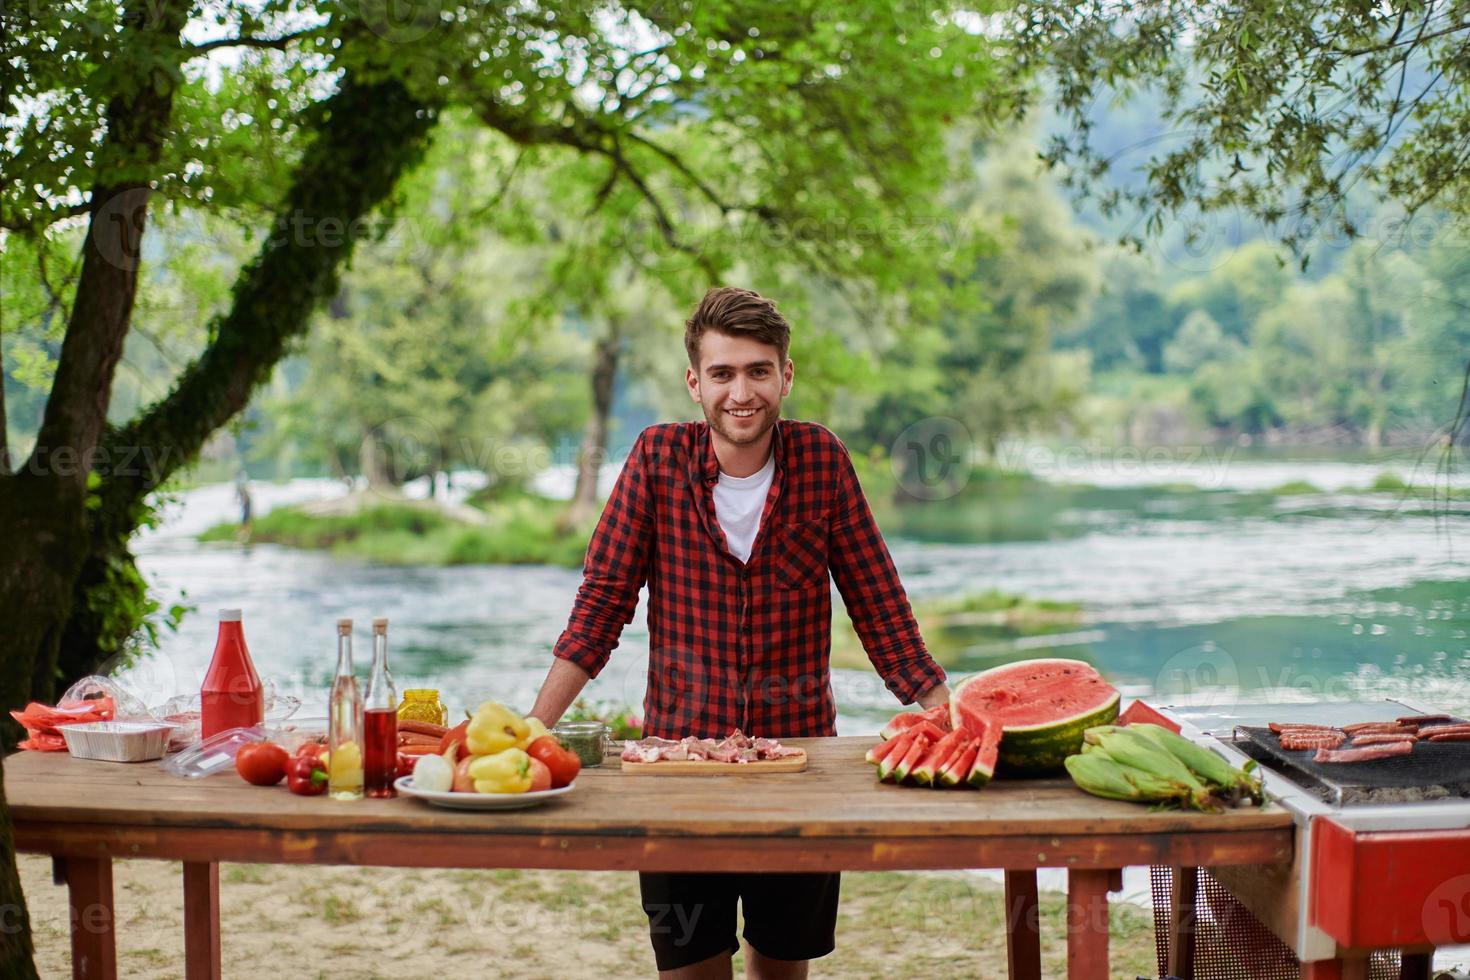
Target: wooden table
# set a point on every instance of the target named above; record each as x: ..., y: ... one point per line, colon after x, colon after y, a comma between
x: 833, y: 817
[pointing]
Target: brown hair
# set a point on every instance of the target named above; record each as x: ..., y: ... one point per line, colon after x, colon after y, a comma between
x: 739, y: 313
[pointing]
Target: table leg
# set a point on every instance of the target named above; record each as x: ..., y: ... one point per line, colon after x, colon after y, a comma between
x: 1415, y: 966
x: 1023, y: 926
x: 1181, y: 922
x: 201, y: 920
x: 1087, y: 922
x: 1345, y: 969
x: 89, y: 892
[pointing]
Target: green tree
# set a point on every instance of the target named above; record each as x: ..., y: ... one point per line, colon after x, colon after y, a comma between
x: 991, y: 365
x: 810, y: 113
x: 1279, y: 109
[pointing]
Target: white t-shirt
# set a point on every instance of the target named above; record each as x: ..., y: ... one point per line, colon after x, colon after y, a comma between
x: 739, y: 501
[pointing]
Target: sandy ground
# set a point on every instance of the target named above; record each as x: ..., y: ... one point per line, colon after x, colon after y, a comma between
x: 330, y: 922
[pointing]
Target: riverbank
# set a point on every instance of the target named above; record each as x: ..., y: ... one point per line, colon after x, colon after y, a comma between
x: 968, y: 626
x: 393, y: 922
x: 513, y: 528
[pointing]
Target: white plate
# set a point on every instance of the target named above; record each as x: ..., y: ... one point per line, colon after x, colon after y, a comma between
x: 479, y: 801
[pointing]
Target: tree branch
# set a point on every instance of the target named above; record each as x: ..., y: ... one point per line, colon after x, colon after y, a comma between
x: 137, y: 122
x: 1393, y: 42
x: 275, y: 43
x: 370, y: 136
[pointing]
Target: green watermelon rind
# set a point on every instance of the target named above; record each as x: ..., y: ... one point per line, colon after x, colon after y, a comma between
x: 1039, y: 750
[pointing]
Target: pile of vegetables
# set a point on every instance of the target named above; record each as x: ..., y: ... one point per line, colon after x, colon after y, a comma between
x: 496, y: 751
x: 1150, y: 764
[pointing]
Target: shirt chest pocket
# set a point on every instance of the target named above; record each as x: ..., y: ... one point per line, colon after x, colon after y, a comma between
x: 800, y: 554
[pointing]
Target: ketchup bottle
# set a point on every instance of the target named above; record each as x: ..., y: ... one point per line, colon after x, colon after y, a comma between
x: 231, y: 696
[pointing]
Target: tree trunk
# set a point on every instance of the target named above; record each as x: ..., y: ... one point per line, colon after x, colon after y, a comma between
x: 370, y: 135
x: 593, y: 451
x: 17, y: 954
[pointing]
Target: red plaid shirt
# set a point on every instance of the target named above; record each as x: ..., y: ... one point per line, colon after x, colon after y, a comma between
x: 743, y: 645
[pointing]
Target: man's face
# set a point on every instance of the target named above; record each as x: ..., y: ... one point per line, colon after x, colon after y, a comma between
x: 739, y: 384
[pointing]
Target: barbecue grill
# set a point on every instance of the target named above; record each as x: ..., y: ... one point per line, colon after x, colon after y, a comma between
x: 1382, y: 858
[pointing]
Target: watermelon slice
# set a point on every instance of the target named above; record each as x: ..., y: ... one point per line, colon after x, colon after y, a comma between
x: 937, y: 716
x: 957, y: 767
x: 917, y: 749
x: 888, y: 765
x: 987, y: 747
x: 937, y: 756
x: 1041, y: 706
x: 880, y: 751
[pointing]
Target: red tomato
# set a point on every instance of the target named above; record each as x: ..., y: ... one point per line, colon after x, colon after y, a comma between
x: 540, y: 776
x: 564, y: 764
x: 261, y: 763
x: 455, y: 736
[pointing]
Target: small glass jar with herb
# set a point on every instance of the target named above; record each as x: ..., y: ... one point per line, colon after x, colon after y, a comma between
x: 586, y: 739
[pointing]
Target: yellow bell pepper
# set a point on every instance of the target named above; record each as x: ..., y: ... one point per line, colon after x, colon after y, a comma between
x: 507, y: 771
x: 494, y: 728
x: 536, y: 730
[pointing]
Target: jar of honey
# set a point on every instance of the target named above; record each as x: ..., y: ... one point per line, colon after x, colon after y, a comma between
x: 423, y: 704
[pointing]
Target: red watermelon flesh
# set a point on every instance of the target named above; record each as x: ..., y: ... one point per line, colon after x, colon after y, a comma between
x: 937, y: 756
x: 957, y: 767
x: 1041, y: 706
x: 900, y: 748
x: 911, y: 759
x: 937, y: 716
x: 880, y: 751
x: 982, y: 768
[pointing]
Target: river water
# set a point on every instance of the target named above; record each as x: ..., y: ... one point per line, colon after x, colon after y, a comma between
x: 1217, y: 591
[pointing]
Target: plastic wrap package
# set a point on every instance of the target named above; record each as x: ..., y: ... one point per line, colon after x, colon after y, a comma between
x: 93, y: 698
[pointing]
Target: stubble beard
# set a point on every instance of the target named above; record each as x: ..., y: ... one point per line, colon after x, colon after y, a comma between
x: 720, y: 422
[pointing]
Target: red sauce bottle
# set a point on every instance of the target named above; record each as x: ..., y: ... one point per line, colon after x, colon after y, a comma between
x: 231, y: 696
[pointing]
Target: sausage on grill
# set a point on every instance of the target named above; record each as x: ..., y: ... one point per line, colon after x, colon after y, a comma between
x: 1367, y: 754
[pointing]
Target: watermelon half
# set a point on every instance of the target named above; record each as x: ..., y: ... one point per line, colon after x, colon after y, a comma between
x: 1042, y: 708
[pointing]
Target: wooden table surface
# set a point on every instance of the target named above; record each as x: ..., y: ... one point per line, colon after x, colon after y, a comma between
x: 833, y: 816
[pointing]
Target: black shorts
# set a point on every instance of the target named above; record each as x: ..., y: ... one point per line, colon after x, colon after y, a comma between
x: 691, y: 917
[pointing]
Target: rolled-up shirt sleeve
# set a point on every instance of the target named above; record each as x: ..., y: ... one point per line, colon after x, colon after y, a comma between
x: 875, y: 599
x: 614, y: 570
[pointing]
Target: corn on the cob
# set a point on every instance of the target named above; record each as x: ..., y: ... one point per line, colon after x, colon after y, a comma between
x: 1203, y: 763
x: 1100, y: 775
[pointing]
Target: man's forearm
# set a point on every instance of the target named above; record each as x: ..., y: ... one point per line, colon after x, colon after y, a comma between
x: 563, y: 683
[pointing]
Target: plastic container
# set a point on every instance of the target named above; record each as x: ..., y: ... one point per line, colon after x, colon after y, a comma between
x: 232, y: 695
x: 117, y: 741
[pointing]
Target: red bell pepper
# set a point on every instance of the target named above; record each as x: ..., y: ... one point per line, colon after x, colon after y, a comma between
x: 306, y: 776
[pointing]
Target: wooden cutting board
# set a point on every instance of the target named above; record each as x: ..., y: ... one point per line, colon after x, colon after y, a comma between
x: 706, y: 768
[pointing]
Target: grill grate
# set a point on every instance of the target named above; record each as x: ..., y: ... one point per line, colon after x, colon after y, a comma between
x: 1434, y: 770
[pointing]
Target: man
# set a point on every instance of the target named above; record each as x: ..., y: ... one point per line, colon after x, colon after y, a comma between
x: 735, y: 524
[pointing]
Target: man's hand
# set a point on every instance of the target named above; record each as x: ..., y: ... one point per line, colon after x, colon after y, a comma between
x: 936, y: 695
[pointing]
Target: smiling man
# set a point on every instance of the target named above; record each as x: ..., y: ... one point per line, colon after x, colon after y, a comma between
x: 735, y: 524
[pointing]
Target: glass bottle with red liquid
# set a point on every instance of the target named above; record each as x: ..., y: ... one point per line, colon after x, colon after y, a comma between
x: 231, y: 695
x: 380, y: 717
